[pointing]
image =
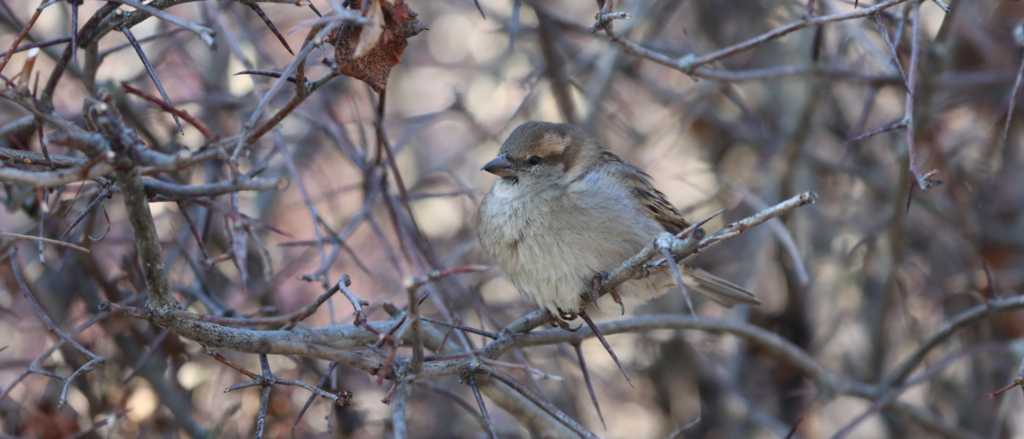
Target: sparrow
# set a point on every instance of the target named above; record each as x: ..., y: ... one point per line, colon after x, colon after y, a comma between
x: 564, y: 209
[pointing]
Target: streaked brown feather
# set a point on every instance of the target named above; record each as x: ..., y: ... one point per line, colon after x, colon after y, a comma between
x: 648, y: 198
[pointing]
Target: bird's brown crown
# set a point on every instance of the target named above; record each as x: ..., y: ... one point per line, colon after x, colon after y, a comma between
x: 551, y: 143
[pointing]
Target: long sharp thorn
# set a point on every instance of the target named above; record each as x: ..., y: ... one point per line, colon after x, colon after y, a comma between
x: 679, y: 431
x: 483, y: 408
x: 309, y: 402
x: 607, y: 347
x: 679, y: 279
x: 152, y: 72
x: 696, y: 226
x: 590, y: 385
x: 270, y: 24
x: 99, y: 199
x: 898, y: 124
x: 477, y: 3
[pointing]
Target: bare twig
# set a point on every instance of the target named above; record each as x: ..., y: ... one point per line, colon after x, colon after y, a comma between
x: 74, y: 31
x: 902, y: 123
x: 146, y: 239
x: 164, y: 191
x: 263, y: 16
x: 402, y: 391
x: 266, y: 380
x: 65, y: 59
x: 413, y: 316
x: 313, y: 213
x: 47, y: 43
x: 50, y: 326
x: 892, y: 49
x: 546, y: 406
x: 667, y: 252
x: 487, y: 334
x: 320, y: 385
x: 147, y: 39
x: 793, y: 354
x: 87, y: 367
x: 419, y: 281
x: 607, y: 347
x: 234, y: 366
x: 692, y: 64
x: 287, y: 320
x: 943, y: 5
x: 17, y: 126
x: 357, y: 303
x: 99, y: 424
x: 33, y: 367
x: 483, y: 408
x: 117, y: 162
x: 950, y: 327
x: 206, y: 34
x: 41, y: 239
x: 166, y: 106
x: 154, y: 346
x: 269, y: 73
x: 781, y: 233
x: 1013, y: 100
x: 893, y: 394
x: 677, y: 433
x: 248, y: 129
x: 638, y: 267
x: 529, y: 370
x: 590, y: 385
x: 909, y: 116
x: 149, y: 67
x: 1018, y: 381
x: 768, y: 36
x: 21, y: 34
x: 458, y: 400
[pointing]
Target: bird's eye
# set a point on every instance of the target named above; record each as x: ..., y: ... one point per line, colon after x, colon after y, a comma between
x: 534, y: 160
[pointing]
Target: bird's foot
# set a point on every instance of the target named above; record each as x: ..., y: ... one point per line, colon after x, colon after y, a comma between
x: 618, y: 299
x: 559, y: 322
x: 595, y: 288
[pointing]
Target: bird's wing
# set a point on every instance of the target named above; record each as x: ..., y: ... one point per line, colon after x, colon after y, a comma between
x: 647, y: 198
x: 652, y: 202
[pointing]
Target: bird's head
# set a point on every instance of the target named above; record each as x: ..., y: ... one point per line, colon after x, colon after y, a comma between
x: 544, y: 153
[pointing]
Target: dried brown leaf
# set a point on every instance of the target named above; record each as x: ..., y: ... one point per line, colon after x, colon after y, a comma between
x: 383, y: 44
x: 372, y: 30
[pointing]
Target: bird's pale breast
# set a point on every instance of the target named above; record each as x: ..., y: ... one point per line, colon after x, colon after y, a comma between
x: 552, y: 242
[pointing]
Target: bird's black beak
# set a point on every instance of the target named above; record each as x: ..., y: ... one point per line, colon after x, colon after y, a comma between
x: 500, y: 166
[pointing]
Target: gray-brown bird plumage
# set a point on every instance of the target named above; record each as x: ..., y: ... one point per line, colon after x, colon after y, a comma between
x: 564, y: 209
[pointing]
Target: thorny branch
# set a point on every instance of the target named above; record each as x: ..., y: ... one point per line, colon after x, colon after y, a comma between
x: 325, y: 343
x: 642, y: 264
x: 329, y: 343
x: 694, y: 65
x: 107, y: 157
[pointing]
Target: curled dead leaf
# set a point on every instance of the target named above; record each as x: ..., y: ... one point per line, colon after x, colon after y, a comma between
x: 368, y: 52
x: 372, y: 30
